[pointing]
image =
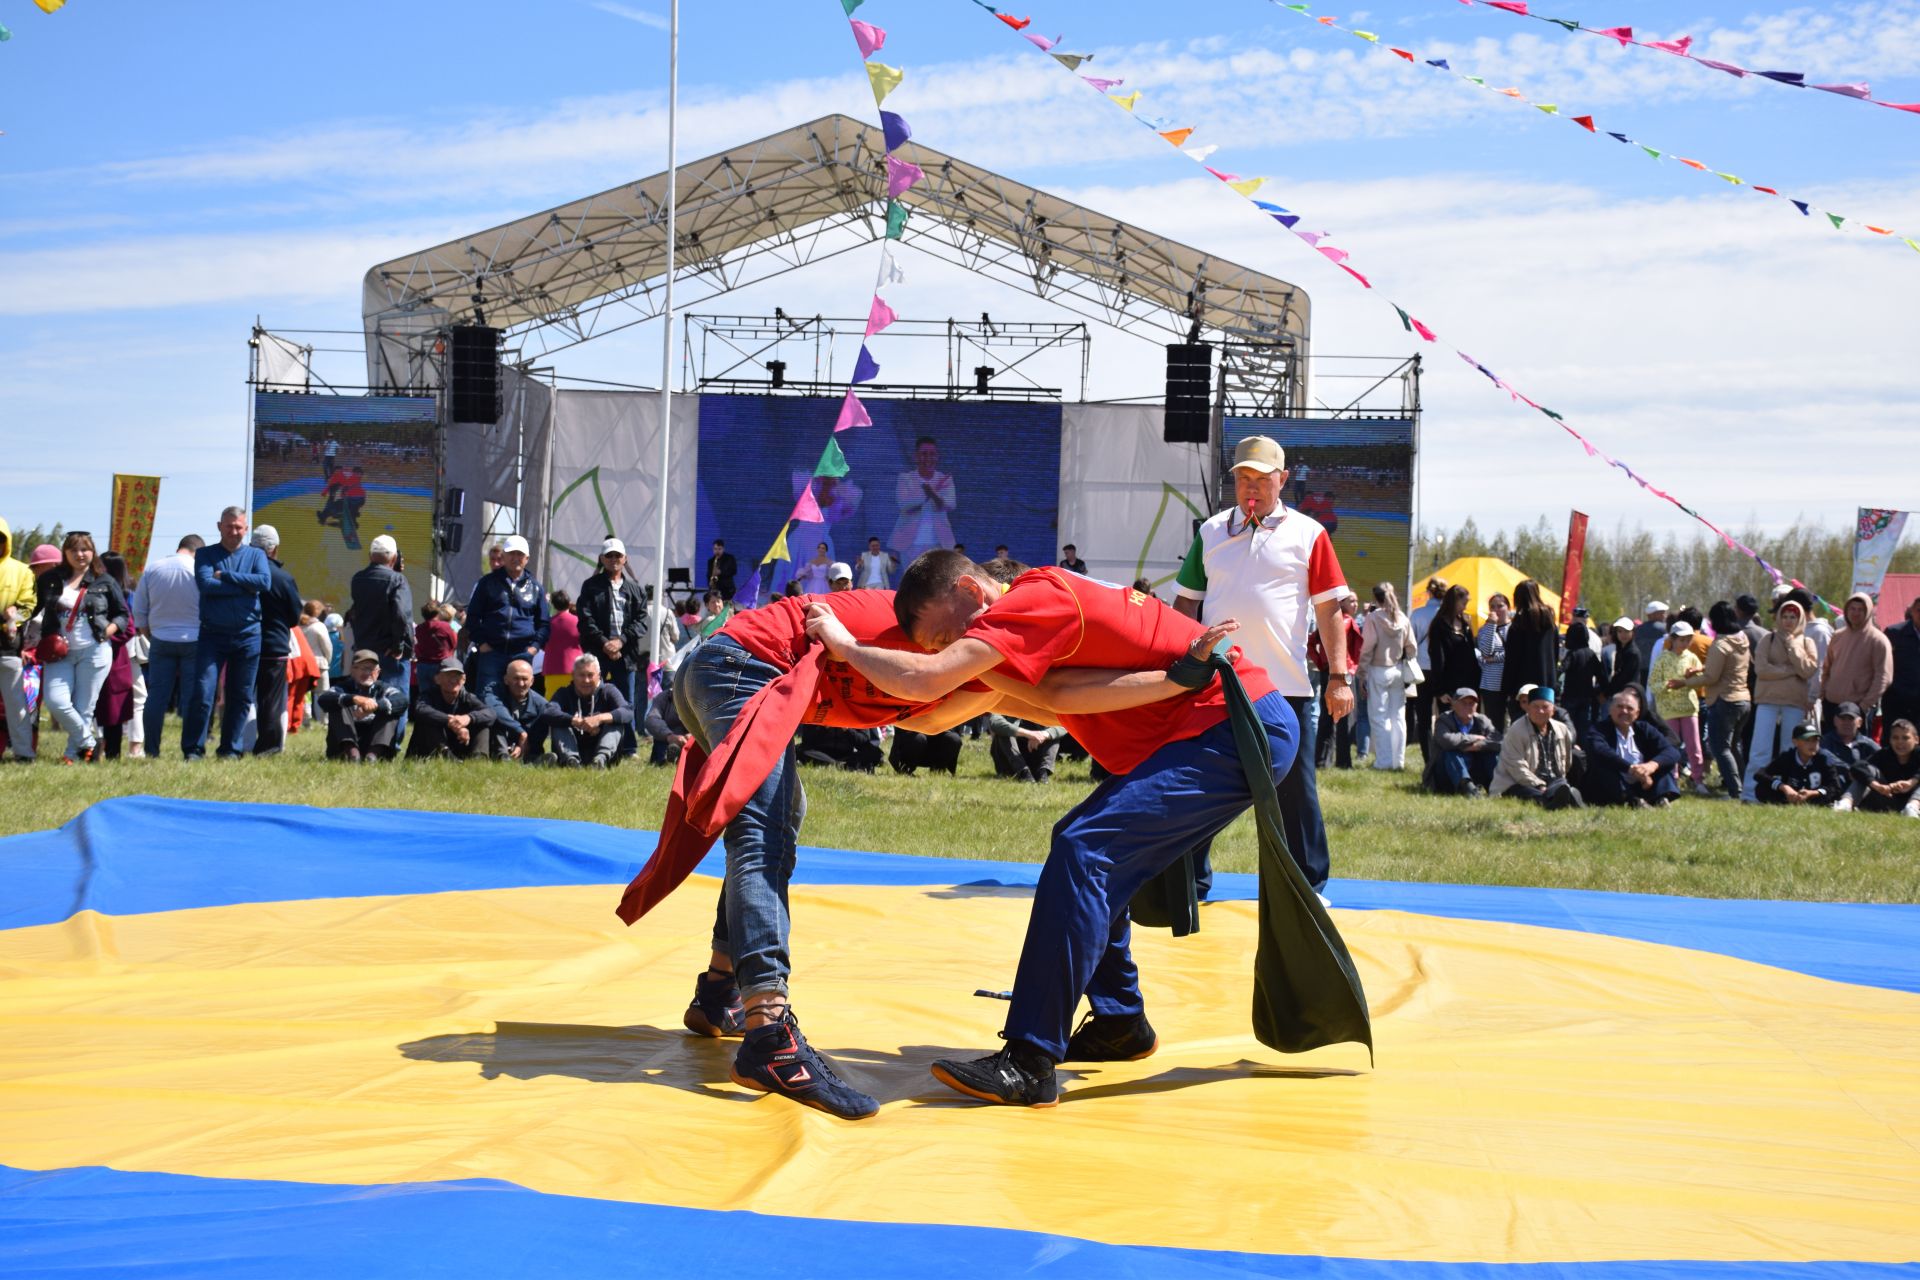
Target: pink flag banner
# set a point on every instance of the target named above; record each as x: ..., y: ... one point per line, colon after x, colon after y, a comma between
x: 901, y: 176
x: 879, y: 316
x: 852, y: 414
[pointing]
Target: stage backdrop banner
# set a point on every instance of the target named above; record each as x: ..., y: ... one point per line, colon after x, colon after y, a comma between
x: 131, y: 533
x: 332, y: 473
x: 606, y: 467
x: 1353, y: 475
x: 1876, y: 538
x: 994, y: 469
x: 1128, y: 499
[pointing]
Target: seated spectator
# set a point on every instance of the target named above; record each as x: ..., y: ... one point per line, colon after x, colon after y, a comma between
x: 1676, y: 702
x: 1844, y: 741
x: 836, y: 748
x: 362, y: 714
x: 938, y: 752
x: 1022, y: 751
x: 1629, y: 761
x: 1804, y: 773
x: 1466, y: 749
x: 587, y: 718
x: 1890, y: 782
x: 664, y: 725
x: 519, y: 716
x: 449, y: 719
x: 1537, y: 755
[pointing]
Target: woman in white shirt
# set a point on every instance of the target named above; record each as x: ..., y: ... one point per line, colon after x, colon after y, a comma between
x: 1386, y: 642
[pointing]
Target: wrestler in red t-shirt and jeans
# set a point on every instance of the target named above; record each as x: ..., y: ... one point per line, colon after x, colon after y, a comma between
x: 1177, y: 781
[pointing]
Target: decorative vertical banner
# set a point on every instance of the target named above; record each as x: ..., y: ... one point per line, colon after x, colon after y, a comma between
x: 1875, y: 539
x: 1570, y: 573
x: 131, y: 533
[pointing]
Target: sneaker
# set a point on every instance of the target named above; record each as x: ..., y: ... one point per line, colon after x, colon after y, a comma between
x: 1017, y: 1076
x: 1119, y: 1037
x: 776, y: 1058
x: 1704, y: 791
x: 716, y: 1009
x: 1662, y: 802
x: 1473, y: 791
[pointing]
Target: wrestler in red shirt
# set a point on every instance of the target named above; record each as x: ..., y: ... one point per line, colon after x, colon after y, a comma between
x: 1178, y: 780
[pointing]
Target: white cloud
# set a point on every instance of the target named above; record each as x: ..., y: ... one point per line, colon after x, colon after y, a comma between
x: 645, y: 17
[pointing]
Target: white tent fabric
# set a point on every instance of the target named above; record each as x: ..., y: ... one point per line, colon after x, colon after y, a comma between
x: 1128, y: 499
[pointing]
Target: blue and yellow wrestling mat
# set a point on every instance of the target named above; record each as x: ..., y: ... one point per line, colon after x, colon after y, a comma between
x: 276, y: 1041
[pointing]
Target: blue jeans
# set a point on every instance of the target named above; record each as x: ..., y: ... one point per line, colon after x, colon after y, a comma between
x: 712, y: 687
x: 1722, y: 724
x: 1773, y: 727
x: 1127, y: 831
x: 241, y: 655
x: 399, y: 673
x: 170, y: 667
x: 71, y: 687
x: 1461, y: 767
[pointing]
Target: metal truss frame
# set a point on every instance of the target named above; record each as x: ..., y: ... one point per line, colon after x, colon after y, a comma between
x: 809, y: 193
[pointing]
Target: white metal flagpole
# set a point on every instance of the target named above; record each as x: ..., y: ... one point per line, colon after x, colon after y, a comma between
x: 661, y: 645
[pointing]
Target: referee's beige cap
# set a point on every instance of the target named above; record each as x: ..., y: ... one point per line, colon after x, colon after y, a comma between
x: 1259, y: 453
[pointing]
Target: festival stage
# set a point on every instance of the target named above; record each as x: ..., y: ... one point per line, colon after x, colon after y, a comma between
x: 278, y: 1041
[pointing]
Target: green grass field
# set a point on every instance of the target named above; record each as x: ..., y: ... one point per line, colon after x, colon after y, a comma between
x: 1381, y: 826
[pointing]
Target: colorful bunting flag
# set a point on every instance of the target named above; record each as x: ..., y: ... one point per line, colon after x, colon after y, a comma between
x: 1018, y: 24
x: 1129, y: 101
x: 865, y: 368
x: 884, y: 79
x: 778, y: 551
x: 890, y: 272
x: 1103, y: 84
x: 852, y: 414
x: 832, y: 462
x: 879, y: 316
x: 807, y: 509
x: 1176, y: 136
x: 868, y: 37
x: 901, y: 176
x: 894, y: 129
x: 896, y: 219
x: 1072, y: 61
x: 851, y: 5
x: 49, y: 6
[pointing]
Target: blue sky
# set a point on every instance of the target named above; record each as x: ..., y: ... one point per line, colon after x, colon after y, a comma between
x: 171, y: 171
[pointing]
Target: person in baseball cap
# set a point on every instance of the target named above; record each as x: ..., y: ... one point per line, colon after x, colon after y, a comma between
x: 1260, y: 453
x: 1850, y: 746
x: 508, y: 617
x: 1466, y: 748
x: 383, y: 548
x: 839, y: 576
x: 613, y: 547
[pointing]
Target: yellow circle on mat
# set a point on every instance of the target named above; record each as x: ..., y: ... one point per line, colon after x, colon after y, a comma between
x: 1540, y: 1096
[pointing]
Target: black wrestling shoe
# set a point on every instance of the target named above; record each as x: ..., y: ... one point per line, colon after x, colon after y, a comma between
x: 716, y: 1010
x: 776, y: 1058
x: 1119, y: 1037
x: 1017, y: 1076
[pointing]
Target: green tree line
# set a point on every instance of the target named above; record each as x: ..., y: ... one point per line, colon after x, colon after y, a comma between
x: 1627, y: 567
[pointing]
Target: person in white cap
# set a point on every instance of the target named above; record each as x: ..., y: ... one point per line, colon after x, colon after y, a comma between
x: 280, y: 606
x: 507, y: 617
x: 1652, y: 629
x: 1268, y: 567
x: 1677, y: 701
x: 839, y: 576
x: 381, y: 616
x: 613, y: 628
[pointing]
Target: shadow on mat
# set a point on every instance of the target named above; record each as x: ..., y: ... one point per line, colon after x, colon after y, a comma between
x: 982, y: 889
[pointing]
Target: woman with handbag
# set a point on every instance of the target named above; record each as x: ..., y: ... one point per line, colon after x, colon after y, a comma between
x: 79, y: 611
x: 1386, y: 654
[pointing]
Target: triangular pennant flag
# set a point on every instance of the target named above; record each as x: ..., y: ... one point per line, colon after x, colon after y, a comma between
x: 1475, y: 80
x: 1018, y: 24
x: 1802, y: 206
x: 1364, y: 282
x: 1727, y: 177
x: 1176, y: 136
x: 1440, y: 63
x: 1041, y: 43
x: 1620, y: 137
x: 1072, y: 61
x: 1368, y: 36
x: 1858, y: 90
x: 1406, y: 321
x: 890, y: 272
x: 1676, y: 47
x: 901, y: 176
x: 1511, y: 93
x: 868, y: 37
x: 1402, y: 53
x: 1769, y: 190
x: 1912, y: 244
x: 1425, y: 332
x: 807, y: 509
x: 1201, y: 153
x: 1903, y: 106
x: 778, y: 551
x: 1331, y: 254
x: 851, y: 5
x: 879, y: 316
x: 896, y: 219
x: 894, y: 129
x: 1623, y: 34
x: 1313, y: 237
x: 1128, y: 102
x: 832, y: 461
x: 865, y: 367
x: 1650, y: 151
x: 49, y: 6
x: 1547, y: 107
x: 1102, y: 84
x: 852, y: 414
x: 1569, y: 25
x: 884, y: 79
x: 1879, y: 231
x: 1691, y: 164
x: 1297, y: 8
x: 1797, y: 79
x: 1836, y: 219
x: 1585, y: 122
x: 1247, y: 186
x: 1287, y: 220
x: 1511, y: 6
x: 1326, y: 22
x: 1738, y: 73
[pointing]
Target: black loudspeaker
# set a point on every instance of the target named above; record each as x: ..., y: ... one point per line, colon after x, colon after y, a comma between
x: 1189, y: 393
x: 473, y: 373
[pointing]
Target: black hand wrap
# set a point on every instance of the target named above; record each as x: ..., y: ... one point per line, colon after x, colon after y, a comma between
x: 1190, y: 672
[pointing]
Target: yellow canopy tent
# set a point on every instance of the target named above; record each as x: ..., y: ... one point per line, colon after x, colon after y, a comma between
x: 1484, y: 575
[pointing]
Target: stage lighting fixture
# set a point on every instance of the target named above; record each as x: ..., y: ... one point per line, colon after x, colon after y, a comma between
x: 778, y: 370
x: 980, y: 378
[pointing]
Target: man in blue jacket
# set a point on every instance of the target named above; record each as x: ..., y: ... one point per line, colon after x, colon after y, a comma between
x: 507, y: 617
x: 1628, y: 760
x: 231, y: 577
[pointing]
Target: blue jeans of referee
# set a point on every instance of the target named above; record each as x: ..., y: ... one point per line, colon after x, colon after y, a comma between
x: 1131, y: 828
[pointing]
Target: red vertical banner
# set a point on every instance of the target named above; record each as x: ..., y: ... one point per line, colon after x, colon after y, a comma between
x: 131, y: 533
x: 1570, y: 575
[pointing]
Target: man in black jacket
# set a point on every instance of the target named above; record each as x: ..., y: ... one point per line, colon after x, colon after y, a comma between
x: 1628, y: 760
x: 1805, y: 773
x: 279, y: 614
x: 361, y: 712
x: 381, y: 616
x: 613, y: 627
x: 449, y: 720
x: 722, y: 567
x: 519, y: 716
x: 587, y: 718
